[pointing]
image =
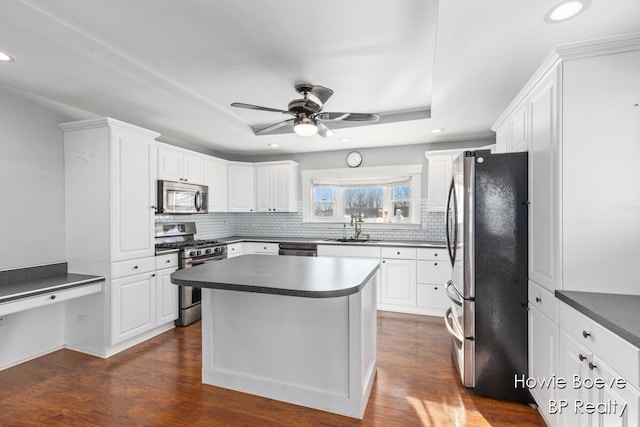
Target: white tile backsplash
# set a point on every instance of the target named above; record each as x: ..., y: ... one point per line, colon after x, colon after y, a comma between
x: 289, y: 224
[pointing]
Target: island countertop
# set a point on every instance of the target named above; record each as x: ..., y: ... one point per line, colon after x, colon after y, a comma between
x: 310, y: 277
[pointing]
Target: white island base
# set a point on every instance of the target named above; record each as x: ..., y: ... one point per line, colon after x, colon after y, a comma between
x: 314, y: 352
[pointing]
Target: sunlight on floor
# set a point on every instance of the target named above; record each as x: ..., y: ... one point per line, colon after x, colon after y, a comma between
x: 452, y: 413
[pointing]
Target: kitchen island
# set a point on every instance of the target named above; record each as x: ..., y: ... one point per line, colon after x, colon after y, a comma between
x: 297, y: 329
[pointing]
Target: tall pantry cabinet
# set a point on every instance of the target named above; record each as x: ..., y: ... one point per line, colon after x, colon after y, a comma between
x: 110, y: 180
x: 581, y: 116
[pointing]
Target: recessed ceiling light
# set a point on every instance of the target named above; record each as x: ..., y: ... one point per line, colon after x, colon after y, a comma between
x: 438, y: 130
x: 274, y: 145
x: 565, y: 10
x: 5, y: 57
x: 345, y: 139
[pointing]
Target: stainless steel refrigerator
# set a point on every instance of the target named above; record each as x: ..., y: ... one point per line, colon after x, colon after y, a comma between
x: 486, y: 227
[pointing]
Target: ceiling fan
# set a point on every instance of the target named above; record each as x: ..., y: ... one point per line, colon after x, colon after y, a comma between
x: 307, y: 113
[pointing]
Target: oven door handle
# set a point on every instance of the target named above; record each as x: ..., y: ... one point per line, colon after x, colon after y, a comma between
x: 457, y: 336
x: 192, y: 263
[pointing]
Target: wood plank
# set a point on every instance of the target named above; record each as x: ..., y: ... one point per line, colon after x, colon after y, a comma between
x: 159, y: 383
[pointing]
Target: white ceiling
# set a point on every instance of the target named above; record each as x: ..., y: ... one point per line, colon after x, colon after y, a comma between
x: 175, y: 66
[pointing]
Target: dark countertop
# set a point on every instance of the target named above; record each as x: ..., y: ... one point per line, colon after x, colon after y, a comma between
x: 618, y: 313
x: 42, y: 285
x: 407, y: 243
x: 308, y: 277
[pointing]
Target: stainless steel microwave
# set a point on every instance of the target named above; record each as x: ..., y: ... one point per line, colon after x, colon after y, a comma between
x: 181, y: 198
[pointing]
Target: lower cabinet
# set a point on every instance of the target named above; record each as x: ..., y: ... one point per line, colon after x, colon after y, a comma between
x: 132, y: 306
x: 398, y: 282
x: 166, y: 297
x: 602, y: 373
x: 235, y: 249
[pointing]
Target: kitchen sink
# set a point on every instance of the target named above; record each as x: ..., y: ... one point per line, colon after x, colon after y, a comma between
x: 352, y: 240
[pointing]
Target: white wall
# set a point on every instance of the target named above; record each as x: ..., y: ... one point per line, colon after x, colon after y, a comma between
x: 32, y: 176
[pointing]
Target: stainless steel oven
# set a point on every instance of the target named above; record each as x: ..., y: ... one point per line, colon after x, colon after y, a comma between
x: 191, y: 253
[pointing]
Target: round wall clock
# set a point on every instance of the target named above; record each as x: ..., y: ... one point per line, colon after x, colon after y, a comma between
x: 354, y: 159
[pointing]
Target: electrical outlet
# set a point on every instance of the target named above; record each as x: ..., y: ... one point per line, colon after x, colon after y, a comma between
x: 81, y: 319
x: 3, y: 320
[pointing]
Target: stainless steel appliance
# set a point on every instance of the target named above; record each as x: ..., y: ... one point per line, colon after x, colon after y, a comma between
x: 191, y: 252
x: 486, y: 228
x: 181, y: 198
x: 298, y: 249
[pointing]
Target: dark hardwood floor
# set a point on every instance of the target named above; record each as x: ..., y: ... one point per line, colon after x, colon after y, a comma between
x: 158, y: 383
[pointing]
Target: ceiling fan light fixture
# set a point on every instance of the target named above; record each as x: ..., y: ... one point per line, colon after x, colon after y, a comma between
x: 5, y: 57
x: 305, y: 126
x: 566, y: 10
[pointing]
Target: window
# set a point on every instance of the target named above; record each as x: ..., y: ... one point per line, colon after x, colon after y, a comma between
x: 383, y: 195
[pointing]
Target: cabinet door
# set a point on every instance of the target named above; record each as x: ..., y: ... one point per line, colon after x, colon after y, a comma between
x: 169, y: 164
x: 502, y: 138
x: 241, y: 188
x: 215, y: 176
x: 628, y: 395
x: 264, y: 175
x: 518, y: 130
x: 438, y: 178
x: 133, y: 195
x: 573, y: 360
x: 282, y: 197
x: 132, y: 306
x: 543, y: 185
x: 235, y: 249
x: 166, y: 297
x: 193, y: 168
x: 543, y: 347
x: 398, y: 282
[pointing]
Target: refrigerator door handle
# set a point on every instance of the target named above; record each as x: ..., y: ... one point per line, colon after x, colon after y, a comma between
x: 458, y: 337
x: 454, y: 296
x: 451, y: 245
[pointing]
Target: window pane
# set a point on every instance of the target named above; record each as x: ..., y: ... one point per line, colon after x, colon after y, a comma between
x: 403, y: 192
x: 404, y: 208
x: 362, y: 201
x: 323, y: 201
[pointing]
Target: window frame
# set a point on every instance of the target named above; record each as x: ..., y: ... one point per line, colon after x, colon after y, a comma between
x: 342, y: 178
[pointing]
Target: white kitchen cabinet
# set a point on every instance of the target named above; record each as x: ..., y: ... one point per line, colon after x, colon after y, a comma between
x: 433, y: 272
x: 398, y: 278
x: 215, y: 177
x: 166, y: 297
x: 262, y: 248
x: 438, y: 180
x: 133, y: 306
x: 277, y: 186
x: 241, y: 187
x: 176, y: 164
x: 235, y: 249
x: 592, y: 352
x: 543, y: 347
x: 110, y: 176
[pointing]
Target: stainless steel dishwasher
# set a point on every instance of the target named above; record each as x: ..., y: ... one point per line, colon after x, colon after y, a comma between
x: 298, y: 249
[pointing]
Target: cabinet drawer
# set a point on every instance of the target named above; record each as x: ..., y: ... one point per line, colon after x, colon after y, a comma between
x: 234, y: 249
x: 543, y: 300
x: 433, y: 254
x: 49, y: 298
x: 350, y: 251
x: 619, y: 354
x: 434, y: 272
x: 433, y: 296
x: 166, y: 261
x: 134, y: 266
x: 265, y: 248
x: 399, y: 253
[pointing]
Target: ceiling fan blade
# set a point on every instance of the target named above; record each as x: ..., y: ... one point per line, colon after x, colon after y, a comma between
x: 349, y: 117
x: 268, y: 129
x: 322, y: 93
x: 324, y: 131
x: 257, y: 107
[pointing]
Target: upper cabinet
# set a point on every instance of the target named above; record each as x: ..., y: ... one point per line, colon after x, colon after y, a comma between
x: 176, y: 164
x: 110, y: 177
x: 241, y: 186
x: 215, y: 177
x: 277, y: 186
x: 578, y: 118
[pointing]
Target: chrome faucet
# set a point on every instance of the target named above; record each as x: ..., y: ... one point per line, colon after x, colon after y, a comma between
x: 356, y: 221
